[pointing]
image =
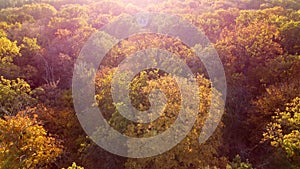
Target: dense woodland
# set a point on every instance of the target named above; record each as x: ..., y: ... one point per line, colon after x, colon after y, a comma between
x: 258, y: 42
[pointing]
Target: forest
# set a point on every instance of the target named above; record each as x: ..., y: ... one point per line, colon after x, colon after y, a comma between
x: 257, y: 42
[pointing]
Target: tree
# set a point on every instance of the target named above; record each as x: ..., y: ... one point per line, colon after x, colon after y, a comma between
x: 248, y: 47
x: 238, y: 164
x: 25, y: 143
x: 212, y: 23
x: 264, y: 107
x: 188, y: 153
x: 283, y: 132
x: 8, y: 50
x: 17, y: 57
x: 74, y: 166
x: 73, y: 11
x: 288, y: 31
x: 39, y: 11
x: 63, y: 122
x: 288, y: 4
x: 28, y: 13
x: 15, y: 95
x: 244, y: 51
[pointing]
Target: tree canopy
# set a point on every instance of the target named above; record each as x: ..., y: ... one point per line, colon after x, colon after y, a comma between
x: 257, y: 42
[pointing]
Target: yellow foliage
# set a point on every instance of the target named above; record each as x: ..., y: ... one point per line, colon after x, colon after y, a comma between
x: 25, y: 143
x: 284, y: 132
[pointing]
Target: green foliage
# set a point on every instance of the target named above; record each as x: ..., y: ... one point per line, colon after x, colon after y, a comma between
x: 73, y: 11
x: 238, y: 164
x: 289, y: 30
x: 39, y: 11
x: 28, y: 13
x: 284, y: 131
x: 15, y: 95
x: 290, y: 4
x: 12, y: 66
x: 270, y: 15
x: 18, y: 3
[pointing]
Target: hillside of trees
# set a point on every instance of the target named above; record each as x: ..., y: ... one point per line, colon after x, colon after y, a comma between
x: 258, y: 42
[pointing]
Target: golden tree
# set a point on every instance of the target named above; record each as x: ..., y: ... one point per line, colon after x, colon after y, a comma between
x: 24, y: 143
